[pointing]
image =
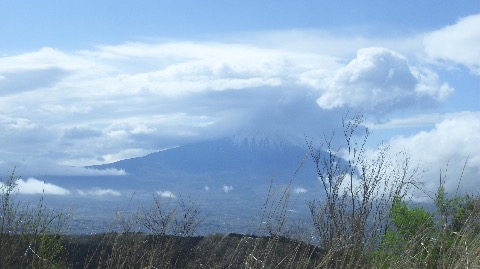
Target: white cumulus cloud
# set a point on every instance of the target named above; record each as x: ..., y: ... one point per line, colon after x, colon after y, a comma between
x: 457, y: 43
x: 445, y: 148
x: 379, y: 80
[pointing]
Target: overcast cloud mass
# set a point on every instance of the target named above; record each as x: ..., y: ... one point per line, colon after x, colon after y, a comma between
x: 62, y: 109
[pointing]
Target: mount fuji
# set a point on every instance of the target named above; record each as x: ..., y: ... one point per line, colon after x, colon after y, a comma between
x: 229, y: 178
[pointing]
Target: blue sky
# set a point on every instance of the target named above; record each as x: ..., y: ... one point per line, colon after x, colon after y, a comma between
x: 82, y: 24
x: 91, y: 82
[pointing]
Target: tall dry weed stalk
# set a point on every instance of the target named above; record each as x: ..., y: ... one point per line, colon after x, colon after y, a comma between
x: 359, y: 187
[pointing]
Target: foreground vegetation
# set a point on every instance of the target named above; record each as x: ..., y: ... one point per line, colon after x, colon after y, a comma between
x: 365, y: 221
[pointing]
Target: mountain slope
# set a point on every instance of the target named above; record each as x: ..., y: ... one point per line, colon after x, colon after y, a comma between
x: 222, y: 156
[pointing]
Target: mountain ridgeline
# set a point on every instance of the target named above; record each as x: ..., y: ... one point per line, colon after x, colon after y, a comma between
x: 236, y: 161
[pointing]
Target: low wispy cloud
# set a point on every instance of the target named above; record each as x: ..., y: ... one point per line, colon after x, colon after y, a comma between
x: 299, y: 190
x: 227, y: 189
x: 33, y: 166
x: 35, y: 186
x: 99, y: 192
x: 166, y: 194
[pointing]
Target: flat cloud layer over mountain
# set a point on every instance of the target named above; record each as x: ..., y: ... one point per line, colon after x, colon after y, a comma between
x: 61, y: 110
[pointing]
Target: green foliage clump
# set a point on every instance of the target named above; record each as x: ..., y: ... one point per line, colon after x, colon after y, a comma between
x: 454, y: 212
x: 419, y: 239
x: 411, y: 230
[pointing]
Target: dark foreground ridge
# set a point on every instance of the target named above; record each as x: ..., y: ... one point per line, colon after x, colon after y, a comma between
x: 137, y: 250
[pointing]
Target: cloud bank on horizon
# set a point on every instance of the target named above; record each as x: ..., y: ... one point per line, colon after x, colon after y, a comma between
x: 61, y: 110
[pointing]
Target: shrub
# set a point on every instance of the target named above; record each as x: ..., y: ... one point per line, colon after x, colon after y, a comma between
x: 419, y: 239
x: 182, y: 218
x: 409, y: 236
